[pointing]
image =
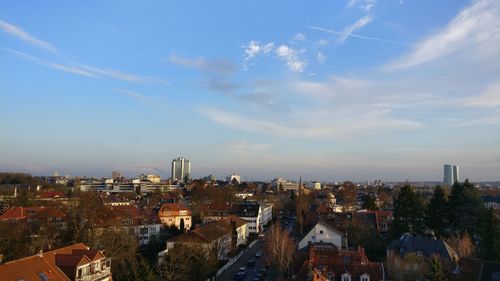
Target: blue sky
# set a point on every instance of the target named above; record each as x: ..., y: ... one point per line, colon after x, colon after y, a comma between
x: 331, y: 90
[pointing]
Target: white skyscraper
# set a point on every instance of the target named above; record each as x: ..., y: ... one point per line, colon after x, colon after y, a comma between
x: 450, y: 174
x: 181, y: 168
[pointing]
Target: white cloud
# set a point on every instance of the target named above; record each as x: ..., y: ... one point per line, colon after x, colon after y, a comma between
x: 351, y: 3
x: 321, y: 57
x: 476, y: 27
x: 254, y: 48
x: 299, y: 37
x: 352, y: 28
x: 23, y: 35
x: 291, y: 57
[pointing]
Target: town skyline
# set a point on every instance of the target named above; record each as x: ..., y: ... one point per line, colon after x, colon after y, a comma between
x: 351, y: 90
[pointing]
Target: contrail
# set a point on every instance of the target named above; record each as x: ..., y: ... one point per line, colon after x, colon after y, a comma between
x: 358, y: 36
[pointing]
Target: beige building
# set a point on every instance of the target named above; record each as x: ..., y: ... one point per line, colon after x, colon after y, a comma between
x: 173, y: 213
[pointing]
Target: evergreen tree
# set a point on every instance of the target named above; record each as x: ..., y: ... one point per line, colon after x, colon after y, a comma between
x: 466, y: 209
x: 490, y: 237
x: 436, y: 217
x: 436, y: 270
x: 369, y: 202
x: 408, y: 212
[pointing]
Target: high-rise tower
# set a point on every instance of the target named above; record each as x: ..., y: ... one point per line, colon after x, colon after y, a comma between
x: 181, y: 169
x: 450, y: 174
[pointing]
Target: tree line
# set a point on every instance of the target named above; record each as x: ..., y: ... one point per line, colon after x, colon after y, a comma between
x: 457, y: 215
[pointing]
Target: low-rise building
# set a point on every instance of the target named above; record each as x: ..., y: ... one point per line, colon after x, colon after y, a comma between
x: 326, y: 262
x: 222, y: 236
x: 76, y: 262
x: 42, y: 215
x: 175, y: 214
x: 322, y: 232
x: 408, y: 257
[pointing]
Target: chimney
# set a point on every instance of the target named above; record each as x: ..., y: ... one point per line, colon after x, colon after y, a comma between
x: 40, y: 254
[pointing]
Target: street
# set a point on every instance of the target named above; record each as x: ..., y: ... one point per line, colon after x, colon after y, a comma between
x: 251, y: 272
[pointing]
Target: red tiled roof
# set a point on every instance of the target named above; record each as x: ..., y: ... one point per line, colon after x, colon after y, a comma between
x: 30, y: 267
x: 211, y: 231
x: 21, y: 213
x: 169, y: 209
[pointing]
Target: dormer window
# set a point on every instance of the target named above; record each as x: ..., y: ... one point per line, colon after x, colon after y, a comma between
x: 346, y: 277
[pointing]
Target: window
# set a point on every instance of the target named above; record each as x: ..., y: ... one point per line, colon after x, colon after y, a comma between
x: 384, y: 226
x: 131, y: 231
x: 321, y: 231
x: 144, y: 230
x: 365, y: 277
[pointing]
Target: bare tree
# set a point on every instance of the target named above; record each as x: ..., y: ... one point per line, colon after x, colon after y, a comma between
x: 461, y: 244
x: 187, y: 262
x: 280, y: 248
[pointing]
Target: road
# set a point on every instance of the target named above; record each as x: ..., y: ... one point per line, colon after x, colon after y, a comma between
x: 251, y: 272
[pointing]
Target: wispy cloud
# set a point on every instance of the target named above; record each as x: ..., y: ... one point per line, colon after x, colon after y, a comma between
x: 291, y: 57
x: 220, y: 66
x: 476, y: 26
x: 366, y: 5
x: 318, y: 125
x: 123, y: 76
x: 320, y: 57
x: 490, y: 98
x: 352, y: 28
x: 299, y: 37
x: 138, y: 97
x: 25, y: 36
x: 245, y: 148
x: 353, y: 35
x: 61, y: 67
x: 88, y: 71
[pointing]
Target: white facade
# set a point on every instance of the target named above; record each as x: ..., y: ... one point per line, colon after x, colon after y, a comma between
x: 322, y: 233
x: 316, y: 185
x: 451, y: 174
x: 267, y: 214
x: 144, y: 232
x: 234, y: 176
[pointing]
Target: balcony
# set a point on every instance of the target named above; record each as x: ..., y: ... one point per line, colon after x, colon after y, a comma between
x: 93, y: 275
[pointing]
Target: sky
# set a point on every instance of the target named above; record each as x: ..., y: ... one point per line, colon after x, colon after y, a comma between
x: 330, y: 90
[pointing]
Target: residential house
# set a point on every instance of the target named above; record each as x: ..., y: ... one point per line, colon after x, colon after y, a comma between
x: 251, y: 211
x: 326, y: 262
x: 135, y: 221
x: 322, y: 232
x: 173, y: 214
x: 472, y: 269
x: 408, y: 257
x: 76, y: 262
x: 42, y: 215
x: 223, y: 236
